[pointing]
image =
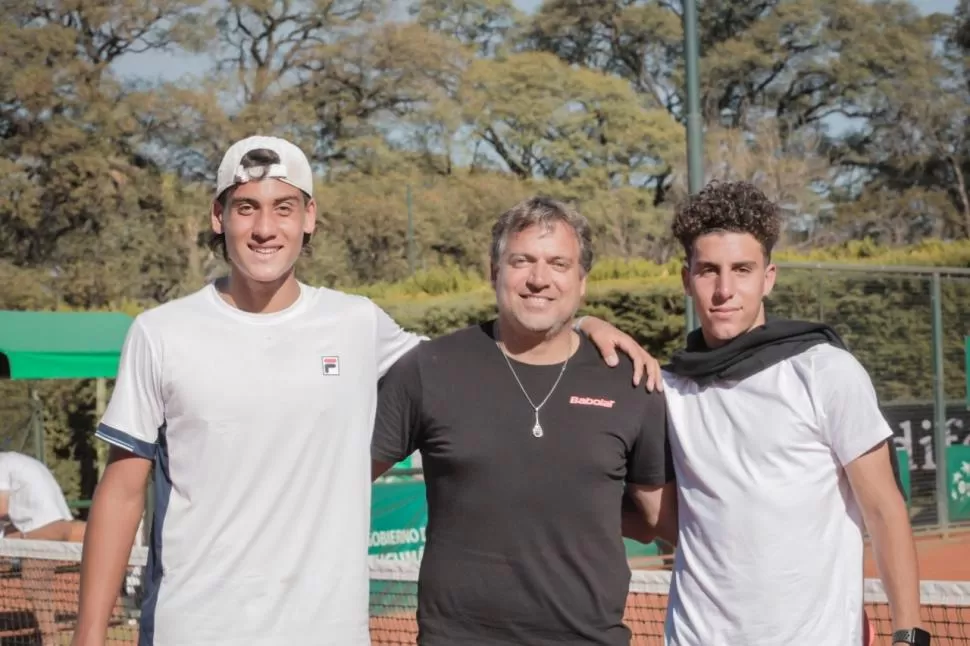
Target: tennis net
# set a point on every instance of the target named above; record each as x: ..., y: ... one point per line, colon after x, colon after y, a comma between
x: 39, y: 589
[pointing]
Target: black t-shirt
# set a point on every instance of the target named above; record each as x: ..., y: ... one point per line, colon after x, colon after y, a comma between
x: 524, y: 540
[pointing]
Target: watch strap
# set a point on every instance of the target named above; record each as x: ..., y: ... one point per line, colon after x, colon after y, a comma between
x: 912, y: 636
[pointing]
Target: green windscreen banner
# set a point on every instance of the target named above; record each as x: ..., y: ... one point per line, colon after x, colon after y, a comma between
x: 636, y: 549
x: 399, y: 515
x: 61, y: 345
x: 958, y: 478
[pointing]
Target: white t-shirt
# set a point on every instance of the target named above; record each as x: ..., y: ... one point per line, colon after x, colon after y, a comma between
x: 35, y: 498
x: 260, y: 427
x: 771, y: 538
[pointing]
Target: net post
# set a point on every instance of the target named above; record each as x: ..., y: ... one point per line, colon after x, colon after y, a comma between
x: 966, y: 368
x: 37, y: 423
x: 940, y: 439
x: 695, y: 125
x: 411, y: 256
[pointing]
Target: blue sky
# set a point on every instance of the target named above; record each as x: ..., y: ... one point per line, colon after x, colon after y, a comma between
x: 154, y: 65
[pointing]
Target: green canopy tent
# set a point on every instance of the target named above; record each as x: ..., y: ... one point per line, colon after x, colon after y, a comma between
x: 60, y: 345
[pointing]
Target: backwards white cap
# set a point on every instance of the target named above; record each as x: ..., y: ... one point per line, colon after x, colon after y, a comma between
x: 293, y: 167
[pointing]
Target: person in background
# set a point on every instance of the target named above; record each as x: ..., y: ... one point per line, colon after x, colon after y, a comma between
x: 32, y: 506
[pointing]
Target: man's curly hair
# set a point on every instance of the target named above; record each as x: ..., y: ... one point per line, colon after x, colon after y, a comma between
x: 738, y: 207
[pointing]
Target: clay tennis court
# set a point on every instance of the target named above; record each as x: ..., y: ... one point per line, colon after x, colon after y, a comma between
x: 941, y: 559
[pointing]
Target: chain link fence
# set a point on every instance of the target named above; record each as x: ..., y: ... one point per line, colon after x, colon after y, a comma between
x: 16, y: 419
x: 908, y: 327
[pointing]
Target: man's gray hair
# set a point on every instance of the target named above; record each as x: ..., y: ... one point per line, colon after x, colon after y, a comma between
x: 543, y: 212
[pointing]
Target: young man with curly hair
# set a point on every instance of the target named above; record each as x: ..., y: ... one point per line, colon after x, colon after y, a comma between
x: 780, y: 454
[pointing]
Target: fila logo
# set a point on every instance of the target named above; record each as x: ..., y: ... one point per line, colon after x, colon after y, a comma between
x: 592, y: 401
x: 331, y: 366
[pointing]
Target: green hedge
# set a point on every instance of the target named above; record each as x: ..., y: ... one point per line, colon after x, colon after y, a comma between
x: 884, y: 317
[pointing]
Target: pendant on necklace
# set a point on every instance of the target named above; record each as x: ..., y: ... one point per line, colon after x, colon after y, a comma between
x: 537, y: 430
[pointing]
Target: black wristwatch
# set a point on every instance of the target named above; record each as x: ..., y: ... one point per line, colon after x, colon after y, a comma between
x: 913, y: 636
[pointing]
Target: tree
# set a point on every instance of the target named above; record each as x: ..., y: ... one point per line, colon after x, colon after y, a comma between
x: 791, y: 171
x: 376, y: 94
x: 640, y: 41
x: 485, y: 26
x: 543, y: 119
x: 912, y: 157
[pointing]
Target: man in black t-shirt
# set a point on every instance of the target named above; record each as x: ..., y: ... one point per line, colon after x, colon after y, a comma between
x: 528, y: 441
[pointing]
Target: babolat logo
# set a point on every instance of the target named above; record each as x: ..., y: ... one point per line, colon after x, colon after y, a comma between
x: 591, y: 401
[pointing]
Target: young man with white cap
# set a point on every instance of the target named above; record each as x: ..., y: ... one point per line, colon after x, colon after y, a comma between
x: 254, y: 399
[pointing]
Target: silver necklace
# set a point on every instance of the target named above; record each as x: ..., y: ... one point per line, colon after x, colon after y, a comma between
x: 537, y: 429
